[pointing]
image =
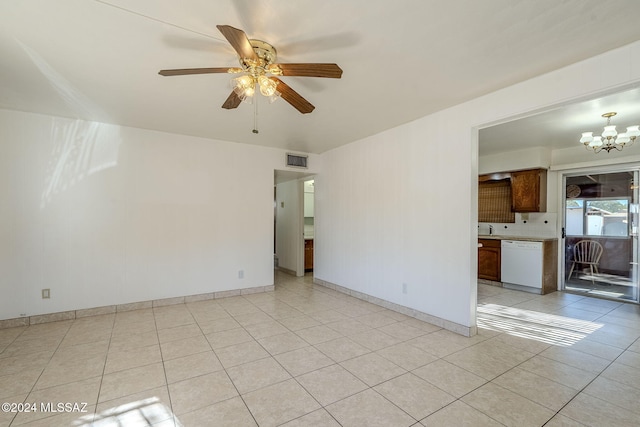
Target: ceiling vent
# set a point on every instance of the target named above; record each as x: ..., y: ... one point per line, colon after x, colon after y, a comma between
x: 297, y: 161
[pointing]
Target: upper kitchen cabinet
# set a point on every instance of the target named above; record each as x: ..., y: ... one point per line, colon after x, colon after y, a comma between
x: 529, y: 190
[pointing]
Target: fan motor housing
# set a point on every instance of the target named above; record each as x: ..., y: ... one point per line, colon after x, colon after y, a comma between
x: 265, y: 51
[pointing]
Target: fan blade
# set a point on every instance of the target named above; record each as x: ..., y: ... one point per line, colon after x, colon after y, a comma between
x: 238, y: 40
x: 232, y: 101
x: 331, y: 71
x: 185, y: 71
x: 293, y: 97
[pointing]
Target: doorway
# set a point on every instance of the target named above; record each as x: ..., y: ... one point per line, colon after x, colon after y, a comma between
x: 309, y: 224
x: 290, y: 230
x: 600, y: 229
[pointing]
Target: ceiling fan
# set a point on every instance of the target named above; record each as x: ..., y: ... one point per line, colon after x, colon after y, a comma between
x: 259, y: 70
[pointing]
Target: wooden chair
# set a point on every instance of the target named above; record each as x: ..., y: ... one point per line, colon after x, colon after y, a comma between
x: 587, y: 252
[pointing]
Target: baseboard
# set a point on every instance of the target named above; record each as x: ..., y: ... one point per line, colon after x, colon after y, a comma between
x: 489, y: 282
x: 467, y: 331
x: 110, y: 309
x: 287, y: 271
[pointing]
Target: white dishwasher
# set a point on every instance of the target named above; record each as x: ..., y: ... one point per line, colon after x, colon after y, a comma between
x: 521, y: 263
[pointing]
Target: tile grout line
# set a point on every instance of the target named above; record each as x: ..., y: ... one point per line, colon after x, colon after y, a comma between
x: 104, y: 368
x: 27, y: 395
x: 590, y: 382
x: 45, y: 367
x: 223, y: 367
x: 279, y: 382
x: 336, y: 363
x: 164, y: 370
x: 578, y: 391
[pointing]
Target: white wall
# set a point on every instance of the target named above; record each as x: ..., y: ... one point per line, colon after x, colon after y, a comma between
x: 288, y: 224
x: 393, y: 209
x: 530, y: 158
x: 401, y: 206
x: 104, y: 215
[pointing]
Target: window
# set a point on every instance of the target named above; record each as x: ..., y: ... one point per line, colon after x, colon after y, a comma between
x: 597, y: 217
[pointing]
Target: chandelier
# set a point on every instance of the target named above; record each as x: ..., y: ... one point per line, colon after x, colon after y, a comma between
x: 610, y: 139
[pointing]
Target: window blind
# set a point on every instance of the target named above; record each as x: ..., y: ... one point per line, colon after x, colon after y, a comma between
x: 494, y: 202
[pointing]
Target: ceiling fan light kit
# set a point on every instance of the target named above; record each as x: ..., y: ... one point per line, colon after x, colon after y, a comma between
x: 260, y: 72
x: 610, y: 138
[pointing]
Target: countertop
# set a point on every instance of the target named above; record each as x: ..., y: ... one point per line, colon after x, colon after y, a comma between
x: 520, y: 238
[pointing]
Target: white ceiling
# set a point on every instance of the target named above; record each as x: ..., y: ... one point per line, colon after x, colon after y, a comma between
x: 99, y: 59
x: 562, y: 127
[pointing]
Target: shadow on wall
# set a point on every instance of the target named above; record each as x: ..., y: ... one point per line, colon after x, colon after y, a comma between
x: 79, y: 149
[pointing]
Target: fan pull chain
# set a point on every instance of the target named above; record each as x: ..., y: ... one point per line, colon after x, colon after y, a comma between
x: 255, y: 116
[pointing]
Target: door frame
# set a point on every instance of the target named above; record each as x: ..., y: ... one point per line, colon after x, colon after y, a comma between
x: 295, y: 235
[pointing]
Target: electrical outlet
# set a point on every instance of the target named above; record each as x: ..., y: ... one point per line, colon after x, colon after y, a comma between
x: 404, y: 288
x: 46, y: 293
x: 240, y: 274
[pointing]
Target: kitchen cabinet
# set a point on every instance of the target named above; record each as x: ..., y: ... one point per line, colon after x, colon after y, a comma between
x: 529, y: 190
x: 308, y: 254
x: 489, y: 259
x: 549, y: 266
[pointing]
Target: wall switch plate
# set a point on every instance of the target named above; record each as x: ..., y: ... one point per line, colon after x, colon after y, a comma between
x: 46, y: 293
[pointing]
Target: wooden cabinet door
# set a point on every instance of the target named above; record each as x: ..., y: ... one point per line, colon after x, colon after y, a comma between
x: 529, y: 190
x: 308, y: 254
x: 489, y: 260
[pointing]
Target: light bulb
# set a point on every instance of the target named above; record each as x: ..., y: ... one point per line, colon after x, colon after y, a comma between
x: 597, y: 142
x: 633, y: 131
x: 241, y: 84
x: 622, y: 139
x: 267, y: 86
x: 586, y: 137
x: 609, y: 131
x: 273, y: 98
x: 244, y: 87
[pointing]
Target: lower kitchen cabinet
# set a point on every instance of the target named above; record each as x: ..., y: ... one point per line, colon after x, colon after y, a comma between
x: 308, y: 254
x: 490, y: 254
x: 489, y: 259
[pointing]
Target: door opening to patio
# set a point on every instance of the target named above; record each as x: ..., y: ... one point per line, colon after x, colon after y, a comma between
x: 601, y: 234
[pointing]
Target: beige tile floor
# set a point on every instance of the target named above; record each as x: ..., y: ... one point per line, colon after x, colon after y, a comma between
x: 308, y: 356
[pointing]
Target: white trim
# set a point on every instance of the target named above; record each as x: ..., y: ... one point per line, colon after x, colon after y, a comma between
x: 598, y: 163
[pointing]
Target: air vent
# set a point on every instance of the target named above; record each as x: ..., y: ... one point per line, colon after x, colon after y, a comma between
x: 297, y: 161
